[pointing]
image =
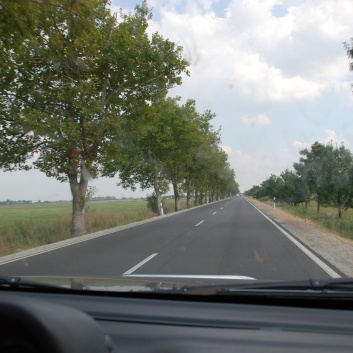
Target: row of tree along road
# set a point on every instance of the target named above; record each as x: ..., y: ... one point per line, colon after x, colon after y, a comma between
x: 83, y: 93
x: 324, y: 173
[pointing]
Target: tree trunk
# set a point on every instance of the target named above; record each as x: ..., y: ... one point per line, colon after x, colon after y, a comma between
x: 318, y: 207
x: 196, y: 197
x: 188, y: 199
x: 176, y: 196
x: 339, y: 212
x: 158, y: 194
x: 201, y: 198
x: 78, y: 191
x: 188, y: 193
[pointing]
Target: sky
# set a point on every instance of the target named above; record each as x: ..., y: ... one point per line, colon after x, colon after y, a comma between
x: 275, y: 73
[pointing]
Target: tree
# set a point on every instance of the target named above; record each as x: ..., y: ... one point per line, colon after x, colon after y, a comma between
x: 342, y: 179
x: 176, y: 129
x: 144, y: 152
x: 159, y: 154
x: 349, y: 49
x: 178, y: 147
x: 72, y: 84
x: 188, y: 130
x: 316, y: 168
x: 202, y: 144
x: 291, y: 188
x: 270, y: 186
x: 327, y: 170
x: 254, y: 191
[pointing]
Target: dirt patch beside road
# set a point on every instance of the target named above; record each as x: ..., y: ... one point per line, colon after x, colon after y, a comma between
x: 336, y: 250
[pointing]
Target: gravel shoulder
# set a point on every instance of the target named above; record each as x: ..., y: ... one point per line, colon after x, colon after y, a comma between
x: 336, y: 250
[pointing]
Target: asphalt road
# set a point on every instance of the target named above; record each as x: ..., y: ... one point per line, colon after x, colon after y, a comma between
x: 229, y: 237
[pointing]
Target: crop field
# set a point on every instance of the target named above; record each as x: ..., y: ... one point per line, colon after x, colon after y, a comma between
x: 26, y: 226
x: 32, y: 213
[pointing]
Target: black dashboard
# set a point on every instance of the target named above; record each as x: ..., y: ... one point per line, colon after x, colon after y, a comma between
x: 134, y: 323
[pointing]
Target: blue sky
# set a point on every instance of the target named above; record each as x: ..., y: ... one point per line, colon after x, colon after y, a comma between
x: 274, y: 72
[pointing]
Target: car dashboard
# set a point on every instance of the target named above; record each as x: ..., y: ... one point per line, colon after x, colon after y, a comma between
x: 74, y: 321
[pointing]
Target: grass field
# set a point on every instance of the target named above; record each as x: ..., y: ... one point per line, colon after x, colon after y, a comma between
x: 27, y: 226
x: 327, y: 217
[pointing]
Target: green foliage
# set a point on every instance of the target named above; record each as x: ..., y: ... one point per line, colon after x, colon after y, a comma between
x: 349, y: 48
x: 178, y: 147
x: 324, y: 173
x: 74, y: 80
x: 291, y: 188
x: 328, y: 170
x: 152, y: 203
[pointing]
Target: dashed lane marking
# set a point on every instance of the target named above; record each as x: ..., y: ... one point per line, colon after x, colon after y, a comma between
x: 196, y: 225
x: 132, y: 269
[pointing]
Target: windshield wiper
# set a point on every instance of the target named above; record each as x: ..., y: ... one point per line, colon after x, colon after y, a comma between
x: 327, y: 285
x: 342, y: 284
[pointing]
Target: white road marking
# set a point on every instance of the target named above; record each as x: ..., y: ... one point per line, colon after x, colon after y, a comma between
x: 221, y: 208
x: 196, y: 225
x: 214, y: 212
x: 132, y: 269
x: 319, y: 262
x: 193, y: 276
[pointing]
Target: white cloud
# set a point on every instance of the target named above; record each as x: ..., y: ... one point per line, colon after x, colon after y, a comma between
x: 332, y: 137
x: 226, y: 149
x: 261, y: 81
x: 256, y: 52
x: 301, y: 145
x: 242, y: 159
x: 248, y: 170
x: 260, y: 119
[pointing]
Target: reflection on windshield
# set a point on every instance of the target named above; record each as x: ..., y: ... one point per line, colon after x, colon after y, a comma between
x: 190, y: 140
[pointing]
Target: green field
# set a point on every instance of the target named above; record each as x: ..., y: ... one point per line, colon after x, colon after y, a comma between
x: 10, y: 215
x: 32, y: 213
x: 26, y: 226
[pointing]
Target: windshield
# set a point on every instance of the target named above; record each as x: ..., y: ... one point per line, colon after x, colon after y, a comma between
x: 184, y: 142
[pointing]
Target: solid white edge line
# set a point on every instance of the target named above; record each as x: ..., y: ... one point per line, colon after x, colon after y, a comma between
x: 132, y: 269
x: 319, y: 262
x: 196, y: 225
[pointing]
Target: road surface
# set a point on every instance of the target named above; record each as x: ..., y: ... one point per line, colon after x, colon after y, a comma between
x: 230, y: 237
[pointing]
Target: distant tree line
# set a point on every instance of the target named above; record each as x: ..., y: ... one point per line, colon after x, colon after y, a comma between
x: 102, y: 198
x: 324, y: 173
x: 110, y: 198
x: 18, y: 202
